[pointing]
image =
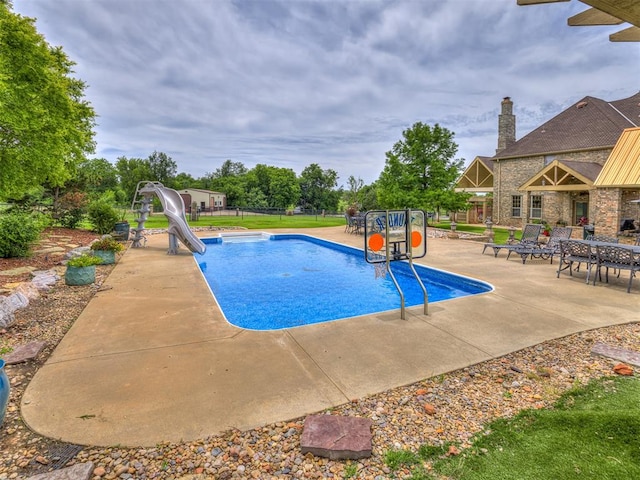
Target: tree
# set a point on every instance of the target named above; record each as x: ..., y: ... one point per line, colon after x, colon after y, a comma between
x: 353, y: 195
x: 230, y: 169
x: 184, y: 180
x: 163, y: 169
x: 96, y: 175
x: 420, y: 171
x: 46, y: 126
x: 130, y: 172
x: 317, y: 188
x: 279, y: 186
x: 229, y: 179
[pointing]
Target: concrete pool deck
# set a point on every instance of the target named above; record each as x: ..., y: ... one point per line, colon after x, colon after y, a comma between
x: 151, y: 359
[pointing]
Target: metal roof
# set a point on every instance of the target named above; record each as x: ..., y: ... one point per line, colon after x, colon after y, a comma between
x: 623, y: 165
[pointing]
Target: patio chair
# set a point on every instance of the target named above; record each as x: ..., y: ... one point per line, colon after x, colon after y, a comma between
x: 350, y: 226
x: 544, y: 251
x: 575, y: 251
x: 619, y: 258
x: 529, y: 238
x: 603, y: 238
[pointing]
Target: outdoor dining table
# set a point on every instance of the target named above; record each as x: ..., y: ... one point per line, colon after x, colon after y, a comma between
x: 597, y: 243
x: 593, y: 249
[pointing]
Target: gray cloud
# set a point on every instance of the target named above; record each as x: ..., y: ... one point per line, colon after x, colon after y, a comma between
x: 290, y: 83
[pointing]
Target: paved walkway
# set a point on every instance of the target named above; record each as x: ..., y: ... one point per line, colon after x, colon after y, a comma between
x: 152, y: 359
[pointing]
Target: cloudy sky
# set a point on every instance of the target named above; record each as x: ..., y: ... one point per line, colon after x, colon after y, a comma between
x: 289, y: 83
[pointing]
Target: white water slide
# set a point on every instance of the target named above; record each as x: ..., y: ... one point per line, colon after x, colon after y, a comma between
x: 173, y: 206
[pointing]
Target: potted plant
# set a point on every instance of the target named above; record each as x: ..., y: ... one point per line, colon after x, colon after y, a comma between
x: 81, y: 270
x: 122, y: 228
x: 106, y: 249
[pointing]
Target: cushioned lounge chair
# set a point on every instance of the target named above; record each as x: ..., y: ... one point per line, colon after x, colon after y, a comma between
x: 529, y: 239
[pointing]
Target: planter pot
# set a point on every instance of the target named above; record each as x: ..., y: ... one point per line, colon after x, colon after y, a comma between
x: 122, y: 230
x: 80, y: 275
x: 4, y: 391
x: 107, y: 256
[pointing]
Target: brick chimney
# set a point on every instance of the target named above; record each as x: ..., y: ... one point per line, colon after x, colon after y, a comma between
x: 506, y: 125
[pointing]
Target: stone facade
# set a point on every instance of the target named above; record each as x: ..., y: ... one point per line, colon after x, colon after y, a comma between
x: 557, y: 205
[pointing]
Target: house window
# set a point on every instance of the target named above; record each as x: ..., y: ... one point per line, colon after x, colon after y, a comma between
x: 516, y: 205
x: 535, y: 206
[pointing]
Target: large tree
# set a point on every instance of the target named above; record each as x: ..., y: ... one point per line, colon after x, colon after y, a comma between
x: 278, y: 185
x: 163, y: 168
x: 130, y: 172
x: 317, y: 188
x: 420, y: 171
x: 46, y: 126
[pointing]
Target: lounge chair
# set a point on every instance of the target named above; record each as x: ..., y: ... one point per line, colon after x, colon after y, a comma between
x: 544, y: 251
x: 529, y: 239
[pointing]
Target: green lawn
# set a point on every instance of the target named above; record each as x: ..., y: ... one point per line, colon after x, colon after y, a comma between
x: 257, y: 222
x: 591, y: 433
x: 249, y: 221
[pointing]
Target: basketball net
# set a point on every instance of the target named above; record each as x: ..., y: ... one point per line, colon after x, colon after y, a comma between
x: 380, y: 269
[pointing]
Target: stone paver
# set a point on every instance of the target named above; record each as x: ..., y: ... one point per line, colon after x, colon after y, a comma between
x: 616, y: 353
x: 17, y: 271
x: 81, y: 471
x: 337, y: 437
x: 24, y: 353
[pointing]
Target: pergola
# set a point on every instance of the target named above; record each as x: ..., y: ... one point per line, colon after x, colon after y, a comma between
x: 605, y: 12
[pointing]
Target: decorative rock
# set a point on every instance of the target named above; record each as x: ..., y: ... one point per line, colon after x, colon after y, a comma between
x: 622, y: 369
x: 430, y: 409
x: 24, y: 353
x: 337, y: 437
x: 80, y: 471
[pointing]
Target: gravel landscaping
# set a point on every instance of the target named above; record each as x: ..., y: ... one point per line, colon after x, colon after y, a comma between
x: 451, y: 407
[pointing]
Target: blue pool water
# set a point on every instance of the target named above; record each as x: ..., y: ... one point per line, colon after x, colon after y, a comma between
x: 284, y: 281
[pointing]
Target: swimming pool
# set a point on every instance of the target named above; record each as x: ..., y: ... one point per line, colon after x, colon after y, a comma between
x: 271, y: 282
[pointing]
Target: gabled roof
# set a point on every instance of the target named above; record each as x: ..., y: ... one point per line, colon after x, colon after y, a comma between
x: 623, y: 165
x: 478, y: 177
x: 563, y: 176
x: 588, y: 124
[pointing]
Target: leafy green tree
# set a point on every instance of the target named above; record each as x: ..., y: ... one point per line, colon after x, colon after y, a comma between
x: 46, y: 126
x: 130, y: 172
x: 368, y: 197
x: 278, y: 185
x: 230, y: 179
x: 420, y: 171
x: 162, y: 167
x: 184, y: 180
x: 96, y: 175
x: 230, y: 169
x: 317, y: 188
x: 353, y: 194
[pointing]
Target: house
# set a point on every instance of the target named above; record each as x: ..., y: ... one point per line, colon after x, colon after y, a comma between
x: 582, y: 166
x: 205, y: 200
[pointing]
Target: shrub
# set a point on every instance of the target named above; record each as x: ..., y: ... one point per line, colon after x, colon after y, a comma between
x: 107, y: 243
x: 84, y: 261
x: 18, y: 232
x: 71, y: 208
x: 103, y: 217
